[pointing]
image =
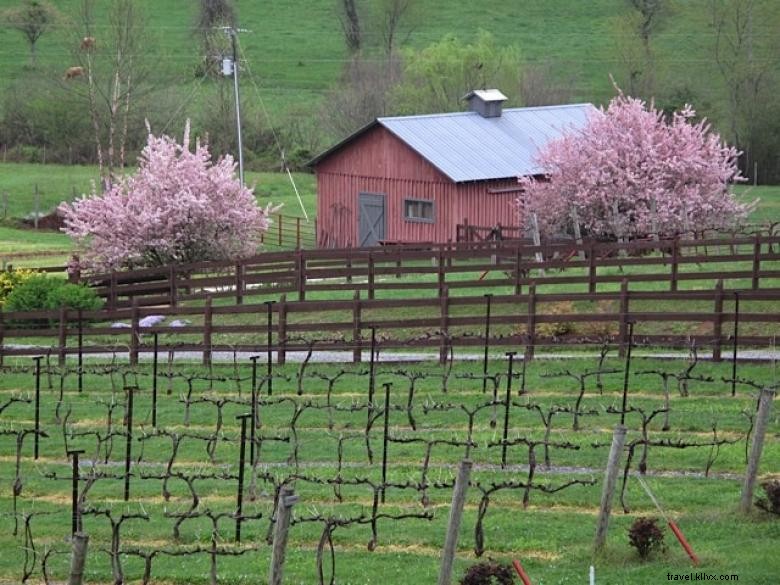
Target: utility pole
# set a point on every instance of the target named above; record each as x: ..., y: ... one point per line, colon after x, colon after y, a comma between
x: 230, y: 66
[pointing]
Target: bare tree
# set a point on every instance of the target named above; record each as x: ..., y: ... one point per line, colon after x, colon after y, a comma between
x: 350, y: 25
x: 748, y: 67
x: 641, y: 24
x: 364, y: 93
x: 542, y: 85
x: 395, y: 20
x: 32, y: 19
x: 213, y: 15
x: 117, y: 76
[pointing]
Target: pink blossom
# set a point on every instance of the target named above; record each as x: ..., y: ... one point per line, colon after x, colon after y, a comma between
x: 180, y: 206
x: 664, y: 175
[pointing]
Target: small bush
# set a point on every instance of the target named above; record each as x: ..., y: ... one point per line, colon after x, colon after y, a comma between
x: 10, y: 279
x: 600, y: 329
x: 645, y: 536
x: 41, y: 292
x: 557, y: 328
x: 772, y: 501
x: 488, y: 573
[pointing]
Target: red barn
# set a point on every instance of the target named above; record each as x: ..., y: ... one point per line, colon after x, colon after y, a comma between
x: 415, y: 178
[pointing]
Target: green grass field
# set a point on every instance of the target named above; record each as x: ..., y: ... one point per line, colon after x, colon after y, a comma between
x: 294, y: 59
x: 552, y: 536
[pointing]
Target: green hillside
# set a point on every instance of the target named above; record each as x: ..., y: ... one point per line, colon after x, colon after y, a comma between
x: 294, y: 58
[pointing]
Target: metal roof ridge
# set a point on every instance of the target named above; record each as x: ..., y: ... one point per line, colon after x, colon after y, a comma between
x: 383, y: 119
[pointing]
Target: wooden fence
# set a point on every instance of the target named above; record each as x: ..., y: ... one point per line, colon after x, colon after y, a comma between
x: 444, y: 322
x: 290, y: 232
x: 474, y: 266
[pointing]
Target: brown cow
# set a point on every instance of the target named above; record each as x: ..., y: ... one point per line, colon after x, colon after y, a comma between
x: 73, y: 72
x: 87, y: 43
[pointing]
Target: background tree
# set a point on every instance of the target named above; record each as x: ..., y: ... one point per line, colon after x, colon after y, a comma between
x: 541, y: 84
x: 213, y: 15
x: 116, y: 66
x: 438, y: 76
x: 747, y: 52
x: 178, y: 207
x: 396, y: 18
x: 632, y: 171
x: 350, y: 25
x: 365, y: 92
x: 32, y: 19
x: 634, y: 32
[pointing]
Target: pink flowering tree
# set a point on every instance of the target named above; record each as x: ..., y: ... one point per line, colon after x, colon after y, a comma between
x: 630, y: 172
x: 180, y: 206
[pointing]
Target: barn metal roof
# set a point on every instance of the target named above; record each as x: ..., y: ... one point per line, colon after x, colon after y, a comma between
x: 464, y: 146
x: 467, y: 147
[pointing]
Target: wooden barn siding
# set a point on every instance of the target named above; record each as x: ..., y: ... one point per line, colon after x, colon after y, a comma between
x: 378, y: 162
x: 453, y: 204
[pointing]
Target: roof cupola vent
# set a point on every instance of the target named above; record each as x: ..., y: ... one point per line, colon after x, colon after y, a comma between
x: 486, y: 102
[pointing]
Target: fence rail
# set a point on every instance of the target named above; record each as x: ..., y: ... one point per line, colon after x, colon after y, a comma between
x: 484, y: 266
x: 442, y: 323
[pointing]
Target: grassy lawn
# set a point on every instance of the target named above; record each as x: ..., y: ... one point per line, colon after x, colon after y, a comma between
x: 552, y: 536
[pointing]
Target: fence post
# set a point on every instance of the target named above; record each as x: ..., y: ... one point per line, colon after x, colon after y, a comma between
x: 300, y: 274
x: 370, y: 275
x: 440, y: 273
x: 675, y: 263
x: 717, y: 322
x: 281, y: 333
x: 518, y: 260
x: 63, y: 335
x: 297, y: 233
x: 74, y: 275
x: 134, y: 333
x: 129, y: 441
x: 239, y: 283
x: 173, y: 290
x: 453, y: 525
x: 2, y: 337
x: 78, y: 558
x: 349, y: 264
x: 207, y: 321
x: 759, y: 432
x: 112, y: 300
x: 444, y: 306
x: 287, y: 499
x: 756, y: 261
x: 623, y: 330
x: 279, y: 221
x: 592, y: 267
x: 37, y: 210
x: 608, y: 488
x: 357, y: 342
x: 531, y: 323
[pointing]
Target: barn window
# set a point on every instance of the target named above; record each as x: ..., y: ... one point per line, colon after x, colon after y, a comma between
x: 418, y: 210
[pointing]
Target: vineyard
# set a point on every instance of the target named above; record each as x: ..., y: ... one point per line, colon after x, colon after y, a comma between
x: 178, y: 466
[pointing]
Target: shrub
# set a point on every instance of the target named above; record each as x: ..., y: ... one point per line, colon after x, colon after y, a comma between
x: 488, y: 573
x: 772, y: 501
x: 41, y: 292
x: 557, y: 328
x: 10, y: 279
x: 600, y: 329
x: 645, y: 536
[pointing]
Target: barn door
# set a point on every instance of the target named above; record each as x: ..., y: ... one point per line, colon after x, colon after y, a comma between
x: 371, y: 220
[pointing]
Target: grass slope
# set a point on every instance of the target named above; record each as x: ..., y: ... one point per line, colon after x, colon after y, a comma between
x: 296, y: 59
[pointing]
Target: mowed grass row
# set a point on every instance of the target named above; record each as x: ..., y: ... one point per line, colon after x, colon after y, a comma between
x: 552, y: 535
